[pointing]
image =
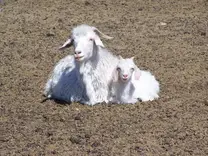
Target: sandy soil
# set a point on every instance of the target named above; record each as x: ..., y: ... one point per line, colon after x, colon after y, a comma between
x: 167, y: 37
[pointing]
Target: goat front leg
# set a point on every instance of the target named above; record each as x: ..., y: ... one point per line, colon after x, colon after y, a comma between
x: 90, y: 92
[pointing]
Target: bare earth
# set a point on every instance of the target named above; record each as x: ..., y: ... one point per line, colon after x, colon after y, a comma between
x: 167, y: 37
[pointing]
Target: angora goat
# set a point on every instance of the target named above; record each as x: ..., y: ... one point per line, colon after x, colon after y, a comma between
x: 129, y: 83
x: 93, y: 62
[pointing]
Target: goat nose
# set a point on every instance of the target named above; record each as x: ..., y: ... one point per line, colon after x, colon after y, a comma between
x: 125, y: 75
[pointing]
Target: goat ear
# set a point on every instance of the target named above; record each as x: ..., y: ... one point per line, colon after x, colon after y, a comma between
x: 132, y: 58
x: 137, y: 74
x: 67, y: 44
x: 98, y: 42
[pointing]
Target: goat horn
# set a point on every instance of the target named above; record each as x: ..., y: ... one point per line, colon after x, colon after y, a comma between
x: 103, y: 35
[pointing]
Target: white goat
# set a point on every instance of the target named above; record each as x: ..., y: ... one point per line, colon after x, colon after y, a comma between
x: 129, y: 83
x: 93, y: 62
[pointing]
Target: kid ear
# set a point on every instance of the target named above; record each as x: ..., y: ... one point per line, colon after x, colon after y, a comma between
x: 132, y: 58
x: 137, y: 74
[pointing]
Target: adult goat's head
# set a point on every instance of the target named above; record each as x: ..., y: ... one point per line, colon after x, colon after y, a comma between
x: 83, y: 39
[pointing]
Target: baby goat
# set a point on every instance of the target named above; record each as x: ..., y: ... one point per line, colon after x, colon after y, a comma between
x: 129, y: 83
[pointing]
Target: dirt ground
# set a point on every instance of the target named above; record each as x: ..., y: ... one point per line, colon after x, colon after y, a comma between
x: 167, y: 37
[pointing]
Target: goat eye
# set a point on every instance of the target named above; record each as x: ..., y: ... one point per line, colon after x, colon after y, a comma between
x: 132, y: 69
x: 118, y: 69
x: 91, y: 39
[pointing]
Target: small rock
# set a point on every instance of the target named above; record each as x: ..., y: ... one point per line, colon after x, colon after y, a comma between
x: 45, y: 117
x: 186, y: 32
x: 45, y: 18
x: 60, y: 20
x: 50, y: 34
x: 203, y: 33
x: 87, y: 3
x: 206, y: 102
x: 75, y: 139
x: 123, y: 3
x: 87, y: 135
x: 138, y: 149
x: 38, y: 130
x: 77, y: 117
x: 163, y: 23
x: 95, y: 144
x: 48, y: 134
x: 62, y: 120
